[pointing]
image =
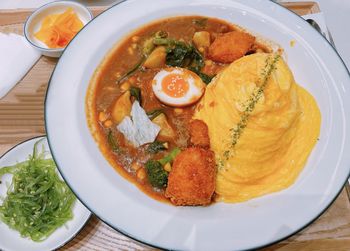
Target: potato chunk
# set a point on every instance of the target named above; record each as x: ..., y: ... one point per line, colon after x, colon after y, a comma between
x: 121, y: 107
x: 156, y: 59
x: 191, y: 181
x: 201, y: 39
x: 166, y: 131
x: 231, y: 46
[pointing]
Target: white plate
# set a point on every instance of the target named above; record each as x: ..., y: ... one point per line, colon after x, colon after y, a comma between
x: 252, y: 224
x: 10, y: 240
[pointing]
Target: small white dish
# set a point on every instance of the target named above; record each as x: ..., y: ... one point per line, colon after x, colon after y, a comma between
x: 10, y: 240
x: 33, y: 23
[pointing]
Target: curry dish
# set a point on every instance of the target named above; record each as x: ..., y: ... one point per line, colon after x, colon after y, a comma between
x: 195, y: 110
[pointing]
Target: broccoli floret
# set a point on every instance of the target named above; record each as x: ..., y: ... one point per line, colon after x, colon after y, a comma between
x: 157, y: 176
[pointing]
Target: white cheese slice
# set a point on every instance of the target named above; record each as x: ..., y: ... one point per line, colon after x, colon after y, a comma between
x: 140, y: 129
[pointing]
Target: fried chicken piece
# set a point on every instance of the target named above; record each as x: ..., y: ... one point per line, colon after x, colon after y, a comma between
x: 199, y: 133
x: 191, y: 181
x: 231, y: 46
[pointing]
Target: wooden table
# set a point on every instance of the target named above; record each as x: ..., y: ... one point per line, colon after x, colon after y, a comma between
x: 22, y: 117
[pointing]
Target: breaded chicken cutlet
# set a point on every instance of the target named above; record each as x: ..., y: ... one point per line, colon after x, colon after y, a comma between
x: 191, y: 181
x: 231, y: 46
x: 199, y: 134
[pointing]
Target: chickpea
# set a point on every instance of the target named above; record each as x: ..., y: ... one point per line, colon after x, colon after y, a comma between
x: 167, y: 167
x: 102, y: 116
x: 141, y: 174
x: 135, y: 39
x: 108, y: 123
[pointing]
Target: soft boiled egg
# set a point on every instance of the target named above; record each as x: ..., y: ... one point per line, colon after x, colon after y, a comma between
x: 177, y: 86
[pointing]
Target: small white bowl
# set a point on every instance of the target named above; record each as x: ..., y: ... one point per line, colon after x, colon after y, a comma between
x: 33, y: 23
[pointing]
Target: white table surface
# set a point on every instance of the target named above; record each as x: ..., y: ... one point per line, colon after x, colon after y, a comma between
x: 337, y: 14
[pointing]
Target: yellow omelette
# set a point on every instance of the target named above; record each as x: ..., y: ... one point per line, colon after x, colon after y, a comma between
x: 266, y: 152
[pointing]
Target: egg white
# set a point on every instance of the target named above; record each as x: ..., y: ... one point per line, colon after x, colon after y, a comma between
x: 194, y: 93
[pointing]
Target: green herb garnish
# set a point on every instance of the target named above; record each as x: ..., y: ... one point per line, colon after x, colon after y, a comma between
x: 237, y: 131
x: 38, y: 201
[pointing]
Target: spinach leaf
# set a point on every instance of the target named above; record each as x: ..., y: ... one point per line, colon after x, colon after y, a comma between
x: 112, y: 142
x: 136, y: 92
x: 187, y: 56
x: 131, y: 72
x: 156, y: 147
x: 176, y: 55
x: 154, y: 113
x: 202, y: 22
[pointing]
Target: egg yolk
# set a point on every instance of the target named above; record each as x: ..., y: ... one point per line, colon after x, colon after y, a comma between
x: 175, y: 85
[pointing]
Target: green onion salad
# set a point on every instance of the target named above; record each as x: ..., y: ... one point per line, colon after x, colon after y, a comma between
x: 38, y: 201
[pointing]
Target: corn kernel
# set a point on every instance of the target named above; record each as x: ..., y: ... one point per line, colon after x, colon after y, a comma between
x: 102, y: 116
x: 108, y: 123
x: 201, y: 49
x: 208, y: 62
x: 167, y: 167
x: 135, y: 39
x: 125, y: 86
x: 135, y: 166
x: 117, y: 74
x: 130, y: 51
x: 178, y: 110
x: 141, y: 174
x: 166, y: 145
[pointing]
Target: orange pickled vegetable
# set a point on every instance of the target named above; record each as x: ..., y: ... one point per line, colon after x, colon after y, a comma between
x: 57, y: 30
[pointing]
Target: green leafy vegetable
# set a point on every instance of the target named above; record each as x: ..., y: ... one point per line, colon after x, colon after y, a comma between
x: 112, y: 142
x: 149, y: 44
x: 131, y: 72
x: 157, y: 176
x: 170, y: 157
x: 38, y: 201
x: 186, y: 56
x: 154, y: 113
x: 206, y: 78
x: 136, y: 92
x: 156, y: 147
x: 161, y: 34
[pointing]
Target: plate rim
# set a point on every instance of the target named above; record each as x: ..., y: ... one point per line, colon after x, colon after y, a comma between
x: 308, y: 223
x: 44, y: 136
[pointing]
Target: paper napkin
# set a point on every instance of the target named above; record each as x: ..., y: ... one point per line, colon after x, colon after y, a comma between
x: 16, y: 58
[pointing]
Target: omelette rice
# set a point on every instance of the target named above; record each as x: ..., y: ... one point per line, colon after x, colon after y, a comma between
x: 262, y: 127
